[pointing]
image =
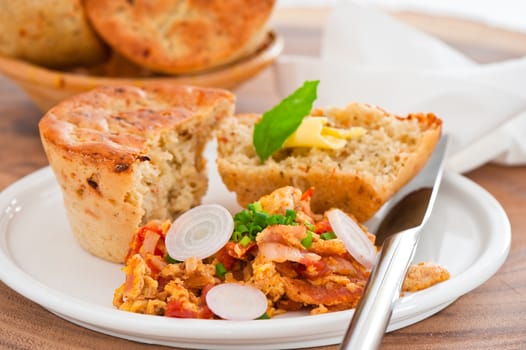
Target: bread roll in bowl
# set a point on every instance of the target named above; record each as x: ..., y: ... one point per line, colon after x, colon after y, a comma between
x: 179, y: 37
x: 51, y: 33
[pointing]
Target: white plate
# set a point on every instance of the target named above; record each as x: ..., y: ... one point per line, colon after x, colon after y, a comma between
x: 468, y: 233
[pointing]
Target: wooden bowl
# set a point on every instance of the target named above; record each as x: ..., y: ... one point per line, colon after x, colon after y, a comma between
x: 47, y: 87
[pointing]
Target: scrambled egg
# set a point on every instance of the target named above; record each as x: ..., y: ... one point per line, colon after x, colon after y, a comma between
x: 318, y: 275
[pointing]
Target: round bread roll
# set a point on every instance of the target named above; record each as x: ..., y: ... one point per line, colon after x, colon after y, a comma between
x: 124, y: 156
x: 181, y: 36
x: 52, y: 33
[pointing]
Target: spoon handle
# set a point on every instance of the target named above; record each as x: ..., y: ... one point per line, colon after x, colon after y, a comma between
x: 374, y: 311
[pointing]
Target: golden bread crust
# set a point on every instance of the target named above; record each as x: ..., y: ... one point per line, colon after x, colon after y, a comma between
x: 358, y: 179
x: 127, y: 155
x: 111, y: 125
x: 51, y: 33
x: 181, y: 36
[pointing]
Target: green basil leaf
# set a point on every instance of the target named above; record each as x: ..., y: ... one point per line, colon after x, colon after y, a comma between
x: 282, y: 120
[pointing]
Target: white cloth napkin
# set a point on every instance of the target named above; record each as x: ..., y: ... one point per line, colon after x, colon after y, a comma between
x: 370, y: 57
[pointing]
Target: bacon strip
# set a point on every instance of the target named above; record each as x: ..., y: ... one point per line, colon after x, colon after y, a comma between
x: 327, y: 294
x: 280, y: 253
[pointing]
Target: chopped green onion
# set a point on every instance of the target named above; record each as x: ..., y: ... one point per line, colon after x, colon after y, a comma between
x: 221, y: 270
x: 328, y: 235
x: 251, y: 221
x: 243, y: 216
x: 310, y: 227
x: 275, y: 220
x: 171, y: 260
x: 253, y: 207
x: 307, y: 241
x: 236, y: 236
x: 260, y: 218
x: 255, y: 229
x: 245, y: 241
x: 265, y: 316
x: 242, y: 228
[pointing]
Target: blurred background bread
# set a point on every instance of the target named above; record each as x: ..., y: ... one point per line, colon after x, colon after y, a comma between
x: 52, y: 50
x: 181, y: 36
x: 51, y: 33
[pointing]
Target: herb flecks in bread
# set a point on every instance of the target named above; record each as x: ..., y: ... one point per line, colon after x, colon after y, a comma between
x: 357, y: 178
x: 124, y: 156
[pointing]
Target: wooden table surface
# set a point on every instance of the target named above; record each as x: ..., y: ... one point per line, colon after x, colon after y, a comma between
x: 493, y: 316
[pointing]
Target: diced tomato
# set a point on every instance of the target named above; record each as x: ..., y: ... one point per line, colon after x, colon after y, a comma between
x: 176, y: 308
x: 307, y: 194
x: 225, y: 258
x: 147, y: 240
x: 237, y: 250
x: 323, y: 226
x: 205, y: 312
x: 135, y: 244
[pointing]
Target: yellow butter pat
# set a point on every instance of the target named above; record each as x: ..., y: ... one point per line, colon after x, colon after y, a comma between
x: 312, y: 132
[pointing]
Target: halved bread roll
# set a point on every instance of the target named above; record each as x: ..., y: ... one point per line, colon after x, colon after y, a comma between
x: 357, y: 178
x: 125, y: 155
